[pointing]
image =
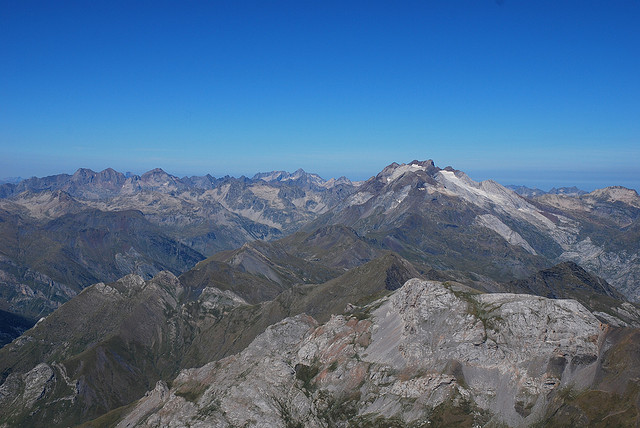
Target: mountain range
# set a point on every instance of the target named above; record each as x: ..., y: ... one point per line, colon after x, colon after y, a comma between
x: 418, y: 296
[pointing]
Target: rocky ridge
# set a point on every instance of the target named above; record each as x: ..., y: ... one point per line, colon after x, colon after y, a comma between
x: 427, y: 352
x: 113, y: 341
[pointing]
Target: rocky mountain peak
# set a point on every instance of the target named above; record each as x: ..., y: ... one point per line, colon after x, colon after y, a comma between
x: 617, y: 194
x: 112, y: 176
x: 271, y: 176
x: 298, y: 173
x: 83, y: 173
x: 394, y: 171
x: 156, y: 172
x: 526, y: 191
x: 571, y: 191
x: 107, y: 180
x: 427, y: 163
x: 333, y: 182
x: 157, y: 179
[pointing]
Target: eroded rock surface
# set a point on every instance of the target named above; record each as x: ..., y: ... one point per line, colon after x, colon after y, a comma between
x: 413, y: 357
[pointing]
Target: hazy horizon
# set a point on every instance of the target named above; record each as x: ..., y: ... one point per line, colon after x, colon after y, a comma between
x: 543, y: 94
x: 528, y: 179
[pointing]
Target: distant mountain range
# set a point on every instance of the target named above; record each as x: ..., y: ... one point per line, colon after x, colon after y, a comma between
x: 529, y: 193
x: 65, y: 232
x: 93, y: 225
x: 417, y: 295
x: 11, y: 180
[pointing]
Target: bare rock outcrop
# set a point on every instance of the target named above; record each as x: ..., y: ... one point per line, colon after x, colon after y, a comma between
x: 427, y: 348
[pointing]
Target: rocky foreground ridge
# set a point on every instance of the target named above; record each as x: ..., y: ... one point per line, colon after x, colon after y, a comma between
x: 426, y: 352
x: 431, y: 354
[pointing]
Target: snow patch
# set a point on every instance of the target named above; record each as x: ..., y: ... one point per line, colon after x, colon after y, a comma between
x: 402, y: 169
x: 466, y: 185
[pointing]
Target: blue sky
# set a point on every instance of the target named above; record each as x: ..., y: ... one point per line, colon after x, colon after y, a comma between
x: 542, y: 93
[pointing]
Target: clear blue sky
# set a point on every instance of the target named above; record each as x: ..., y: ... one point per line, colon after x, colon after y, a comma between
x: 541, y: 93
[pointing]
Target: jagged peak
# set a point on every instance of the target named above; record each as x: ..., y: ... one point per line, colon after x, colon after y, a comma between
x: 427, y: 163
x: 110, y: 172
x: 166, y: 277
x: 83, y: 172
x: 154, y: 172
x: 110, y: 176
x: 299, y: 174
x: 270, y: 176
x: 395, y: 170
x: 570, y: 191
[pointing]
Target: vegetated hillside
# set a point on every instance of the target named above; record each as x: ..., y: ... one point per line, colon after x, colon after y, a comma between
x: 101, y: 350
x: 361, y: 285
x: 259, y: 270
x: 44, y: 264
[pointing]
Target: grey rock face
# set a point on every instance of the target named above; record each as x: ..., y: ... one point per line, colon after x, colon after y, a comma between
x: 36, y: 383
x: 492, y: 222
x: 423, y: 347
x: 619, y: 268
x: 248, y: 389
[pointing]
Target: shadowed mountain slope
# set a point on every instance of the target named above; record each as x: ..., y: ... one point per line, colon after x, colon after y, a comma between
x: 569, y: 281
x: 12, y: 326
x: 358, y: 286
x: 259, y: 270
x: 99, y: 351
x: 565, y: 281
x: 43, y: 264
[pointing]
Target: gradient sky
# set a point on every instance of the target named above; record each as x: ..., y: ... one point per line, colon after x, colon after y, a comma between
x: 542, y: 93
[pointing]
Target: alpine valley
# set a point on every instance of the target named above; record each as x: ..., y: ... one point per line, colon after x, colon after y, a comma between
x: 416, y: 298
